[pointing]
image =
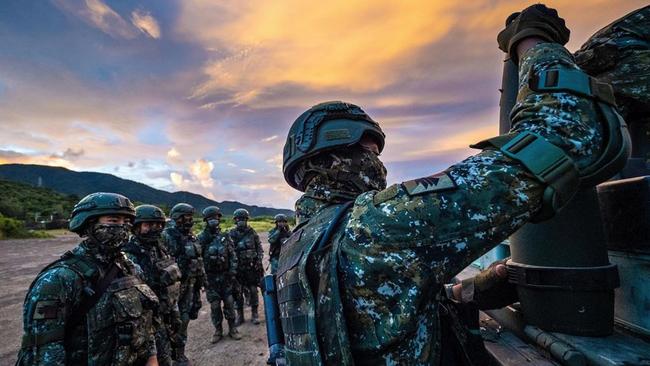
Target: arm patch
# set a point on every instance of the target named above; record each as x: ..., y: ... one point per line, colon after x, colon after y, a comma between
x: 434, y: 183
x: 47, y: 309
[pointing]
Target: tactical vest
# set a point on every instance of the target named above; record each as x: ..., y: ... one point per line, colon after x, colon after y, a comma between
x: 121, y: 323
x: 188, y: 254
x: 161, y: 273
x: 308, y: 249
x: 125, y: 309
x: 245, y: 248
x: 75, y: 338
x: 216, y: 256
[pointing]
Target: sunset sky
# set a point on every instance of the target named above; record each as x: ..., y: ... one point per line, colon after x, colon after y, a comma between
x: 198, y: 95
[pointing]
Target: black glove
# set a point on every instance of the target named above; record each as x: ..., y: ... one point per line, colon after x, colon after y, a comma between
x: 488, y: 290
x: 534, y: 21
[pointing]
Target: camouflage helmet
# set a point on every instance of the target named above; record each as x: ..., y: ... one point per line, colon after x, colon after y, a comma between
x: 148, y: 213
x: 324, y: 127
x: 99, y: 204
x: 211, y: 211
x: 181, y: 209
x: 280, y: 217
x: 241, y: 213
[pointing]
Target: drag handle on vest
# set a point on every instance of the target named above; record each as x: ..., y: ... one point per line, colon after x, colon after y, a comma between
x: 274, y: 334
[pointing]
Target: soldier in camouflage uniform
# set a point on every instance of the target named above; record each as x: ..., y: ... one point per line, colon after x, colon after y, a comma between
x: 619, y: 54
x: 182, y: 245
x: 360, y: 280
x: 249, y: 264
x: 90, y: 307
x: 220, y: 263
x: 160, y: 272
x: 277, y: 236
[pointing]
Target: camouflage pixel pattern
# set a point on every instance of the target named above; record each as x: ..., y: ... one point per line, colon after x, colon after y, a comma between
x: 248, y: 248
x: 187, y: 253
x: 363, y: 165
x: 376, y: 285
x: 276, y: 238
x: 344, y: 173
x: 220, y: 263
x: 119, y: 327
x: 162, y: 275
x: 619, y: 54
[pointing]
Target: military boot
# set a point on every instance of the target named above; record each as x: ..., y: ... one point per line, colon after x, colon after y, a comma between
x: 255, y: 318
x: 240, y: 316
x: 232, y: 330
x: 218, y: 335
x: 181, y: 359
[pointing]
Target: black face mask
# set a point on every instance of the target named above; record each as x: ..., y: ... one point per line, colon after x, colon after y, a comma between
x: 185, y: 225
x: 108, y: 239
x: 213, y: 224
x: 151, y: 236
x: 343, y: 173
x: 242, y: 224
x: 283, y: 226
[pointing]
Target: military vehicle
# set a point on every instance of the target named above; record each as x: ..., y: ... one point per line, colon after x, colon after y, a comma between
x: 583, y: 276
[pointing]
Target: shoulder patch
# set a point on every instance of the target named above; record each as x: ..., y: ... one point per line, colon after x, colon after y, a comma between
x: 47, y: 309
x: 385, y: 195
x: 434, y: 183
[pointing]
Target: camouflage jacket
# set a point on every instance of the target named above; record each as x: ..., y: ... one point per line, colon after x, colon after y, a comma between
x: 619, y: 54
x: 369, y: 295
x: 218, y: 252
x: 248, y: 247
x: 186, y: 251
x: 159, y: 271
x: 276, y: 238
x: 117, y: 330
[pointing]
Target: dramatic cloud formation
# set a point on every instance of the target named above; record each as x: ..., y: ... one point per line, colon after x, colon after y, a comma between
x: 198, y: 95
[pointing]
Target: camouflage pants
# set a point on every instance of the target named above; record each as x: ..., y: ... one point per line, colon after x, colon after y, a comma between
x: 189, y: 303
x: 249, y: 278
x: 163, y: 346
x: 246, y: 289
x: 219, y: 290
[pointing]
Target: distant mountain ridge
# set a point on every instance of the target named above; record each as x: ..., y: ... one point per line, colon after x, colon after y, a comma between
x: 68, y: 181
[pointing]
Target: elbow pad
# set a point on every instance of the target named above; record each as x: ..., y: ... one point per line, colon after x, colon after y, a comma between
x: 549, y: 164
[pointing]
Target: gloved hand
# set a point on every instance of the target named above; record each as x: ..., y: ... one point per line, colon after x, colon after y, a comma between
x: 534, y: 21
x: 490, y: 289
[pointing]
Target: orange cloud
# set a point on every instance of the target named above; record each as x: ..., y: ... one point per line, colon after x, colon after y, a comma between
x: 201, y: 171
x: 343, y: 44
x: 35, y: 159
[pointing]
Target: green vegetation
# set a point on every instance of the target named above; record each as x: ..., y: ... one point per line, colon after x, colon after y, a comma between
x: 261, y: 224
x: 80, y: 184
x: 23, y: 207
x: 27, y: 203
x: 12, y: 228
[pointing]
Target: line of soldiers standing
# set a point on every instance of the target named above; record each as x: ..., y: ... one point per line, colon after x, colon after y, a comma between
x: 126, y: 294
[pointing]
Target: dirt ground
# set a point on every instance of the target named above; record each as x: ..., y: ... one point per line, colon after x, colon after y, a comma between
x: 21, y: 260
